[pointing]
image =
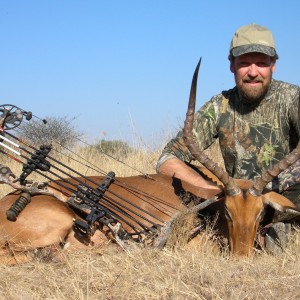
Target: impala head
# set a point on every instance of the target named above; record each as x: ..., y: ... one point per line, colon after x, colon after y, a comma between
x: 244, y: 201
x: 243, y: 213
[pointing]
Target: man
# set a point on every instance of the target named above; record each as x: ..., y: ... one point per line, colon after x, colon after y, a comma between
x: 256, y: 122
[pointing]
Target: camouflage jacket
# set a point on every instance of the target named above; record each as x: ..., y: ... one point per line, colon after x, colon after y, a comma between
x: 252, y: 137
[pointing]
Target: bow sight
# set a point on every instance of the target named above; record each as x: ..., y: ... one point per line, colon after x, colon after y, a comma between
x: 12, y: 116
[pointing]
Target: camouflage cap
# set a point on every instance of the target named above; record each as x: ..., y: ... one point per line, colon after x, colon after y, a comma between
x: 253, y: 38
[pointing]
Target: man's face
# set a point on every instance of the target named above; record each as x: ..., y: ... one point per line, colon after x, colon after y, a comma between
x: 253, y: 74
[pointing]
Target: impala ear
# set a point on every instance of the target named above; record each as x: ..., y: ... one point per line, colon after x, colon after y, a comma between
x: 280, y: 203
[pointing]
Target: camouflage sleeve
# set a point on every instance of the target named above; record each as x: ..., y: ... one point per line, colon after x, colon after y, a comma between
x: 204, y: 131
x: 291, y: 175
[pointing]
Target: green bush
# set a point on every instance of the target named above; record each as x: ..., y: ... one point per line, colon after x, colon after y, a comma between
x: 115, y: 148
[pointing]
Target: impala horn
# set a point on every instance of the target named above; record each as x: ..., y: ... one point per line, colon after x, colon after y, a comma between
x: 191, y: 144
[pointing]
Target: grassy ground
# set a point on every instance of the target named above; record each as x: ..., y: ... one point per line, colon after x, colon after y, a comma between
x: 195, y: 272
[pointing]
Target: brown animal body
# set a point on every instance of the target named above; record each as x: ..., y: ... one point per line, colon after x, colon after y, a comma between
x: 46, y: 221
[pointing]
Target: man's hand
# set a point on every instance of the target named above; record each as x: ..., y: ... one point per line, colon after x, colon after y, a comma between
x: 174, y: 167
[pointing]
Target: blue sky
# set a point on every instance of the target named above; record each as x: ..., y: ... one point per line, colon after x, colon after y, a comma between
x: 123, y: 68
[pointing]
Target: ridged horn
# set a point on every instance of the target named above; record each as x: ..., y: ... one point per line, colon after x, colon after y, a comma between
x: 267, y: 176
x: 192, y: 145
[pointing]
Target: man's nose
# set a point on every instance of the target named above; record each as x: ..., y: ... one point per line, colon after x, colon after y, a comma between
x: 253, y: 70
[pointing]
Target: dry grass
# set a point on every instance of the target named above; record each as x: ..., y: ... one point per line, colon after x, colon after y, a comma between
x: 199, y: 271
x: 151, y: 274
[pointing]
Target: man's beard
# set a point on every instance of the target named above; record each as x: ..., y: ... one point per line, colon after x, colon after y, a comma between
x: 253, y: 93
